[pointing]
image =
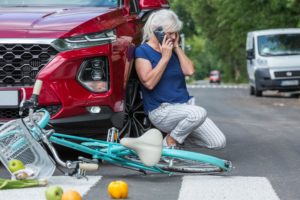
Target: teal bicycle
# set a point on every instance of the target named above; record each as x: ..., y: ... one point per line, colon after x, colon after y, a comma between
x: 26, y: 140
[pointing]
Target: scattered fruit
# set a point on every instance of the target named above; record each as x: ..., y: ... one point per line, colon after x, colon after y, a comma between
x: 118, y: 190
x: 71, y: 195
x: 54, y: 193
x: 15, y: 165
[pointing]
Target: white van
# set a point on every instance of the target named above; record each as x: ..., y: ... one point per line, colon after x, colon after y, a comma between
x: 273, y: 60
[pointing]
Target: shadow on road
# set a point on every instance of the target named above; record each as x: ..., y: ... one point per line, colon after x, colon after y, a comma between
x: 271, y: 94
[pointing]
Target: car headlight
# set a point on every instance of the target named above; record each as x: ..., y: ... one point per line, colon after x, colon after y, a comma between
x: 87, y: 40
x: 262, y: 62
x: 94, y: 74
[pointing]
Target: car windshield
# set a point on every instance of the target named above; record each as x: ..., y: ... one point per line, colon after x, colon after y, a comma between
x: 214, y: 73
x: 89, y: 3
x: 279, y: 45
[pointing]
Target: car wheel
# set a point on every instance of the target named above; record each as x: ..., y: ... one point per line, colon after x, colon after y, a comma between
x: 258, y: 93
x: 252, y: 90
x: 135, y: 122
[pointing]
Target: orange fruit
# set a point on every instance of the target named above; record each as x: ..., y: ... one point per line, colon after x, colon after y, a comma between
x: 71, y: 195
x: 118, y: 190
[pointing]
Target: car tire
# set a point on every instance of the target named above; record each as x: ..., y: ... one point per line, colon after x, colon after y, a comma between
x: 258, y: 93
x: 135, y: 122
x: 251, y: 91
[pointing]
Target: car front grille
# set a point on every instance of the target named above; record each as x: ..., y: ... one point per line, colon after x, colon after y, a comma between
x: 12, y: 113
x: 20, y: 63
x: 287, y: 74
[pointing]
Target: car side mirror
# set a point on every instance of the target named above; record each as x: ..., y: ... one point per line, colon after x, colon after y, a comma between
x: 153, y: 5
x: 250, y: 54
x: 147, y: 6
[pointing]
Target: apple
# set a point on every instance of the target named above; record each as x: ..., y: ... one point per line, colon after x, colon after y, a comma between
x: 54, y: 192
x: 15, y: 165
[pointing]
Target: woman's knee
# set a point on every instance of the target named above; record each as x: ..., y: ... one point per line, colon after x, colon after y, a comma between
x: 197, y: 115
x: 218, y: 144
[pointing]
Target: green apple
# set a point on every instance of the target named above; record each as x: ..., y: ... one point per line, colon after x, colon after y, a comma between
x: 15, y: 165
x: 54, y: 192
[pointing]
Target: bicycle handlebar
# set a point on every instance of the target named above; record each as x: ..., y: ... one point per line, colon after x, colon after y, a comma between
x: 79, y: 166
x: 37, y: 87
x: 32, y: 103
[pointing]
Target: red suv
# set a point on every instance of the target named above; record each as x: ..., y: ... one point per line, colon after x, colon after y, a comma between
x: 83, y: 52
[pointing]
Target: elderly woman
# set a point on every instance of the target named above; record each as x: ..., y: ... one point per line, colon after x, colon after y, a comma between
x: 161, y: 68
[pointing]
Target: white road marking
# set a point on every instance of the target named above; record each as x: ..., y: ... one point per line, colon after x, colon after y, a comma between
x: 219, y: 86
x: 38, y: 193
x: 226, y: 187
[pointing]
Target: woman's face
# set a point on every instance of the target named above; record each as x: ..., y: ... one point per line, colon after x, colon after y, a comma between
x: 171, y: 35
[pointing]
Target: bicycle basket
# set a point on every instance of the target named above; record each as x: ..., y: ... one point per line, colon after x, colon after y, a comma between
x: 16, y: 142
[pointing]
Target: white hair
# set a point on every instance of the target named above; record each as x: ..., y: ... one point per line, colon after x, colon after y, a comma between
x: 167, y: 19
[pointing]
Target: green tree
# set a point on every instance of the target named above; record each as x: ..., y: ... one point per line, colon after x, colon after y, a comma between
x: 222, y: 26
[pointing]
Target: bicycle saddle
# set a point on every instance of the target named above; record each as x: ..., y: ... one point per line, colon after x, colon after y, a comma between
x: 148, y: 146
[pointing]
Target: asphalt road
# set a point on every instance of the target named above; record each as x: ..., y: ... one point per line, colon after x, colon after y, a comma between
x: 263, y: 140
x: 263, y: 134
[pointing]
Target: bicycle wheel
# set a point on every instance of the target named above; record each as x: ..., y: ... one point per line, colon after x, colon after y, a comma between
x: 181, y: 161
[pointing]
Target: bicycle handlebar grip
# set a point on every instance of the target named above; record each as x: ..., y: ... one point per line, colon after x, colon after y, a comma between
x: 37, y: 87
x: 88, y: 166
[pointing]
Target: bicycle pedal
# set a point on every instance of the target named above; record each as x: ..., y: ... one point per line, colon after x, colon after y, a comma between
x: 80, y: 176
x: 80, y: 173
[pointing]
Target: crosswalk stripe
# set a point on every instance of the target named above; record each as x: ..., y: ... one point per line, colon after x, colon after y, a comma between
x: 38, y: 193
x: 226, y: 187
x: 219, y: 86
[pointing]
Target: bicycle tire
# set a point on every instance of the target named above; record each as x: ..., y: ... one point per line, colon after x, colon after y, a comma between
x: 172, y: 161
x: 187, y: 166
x: 182, y: 161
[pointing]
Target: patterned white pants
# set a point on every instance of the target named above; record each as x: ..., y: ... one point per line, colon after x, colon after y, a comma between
x: 188, y: 121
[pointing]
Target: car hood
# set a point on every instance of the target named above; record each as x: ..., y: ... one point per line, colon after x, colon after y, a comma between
x: 47, y: 19
x: 284, y: 61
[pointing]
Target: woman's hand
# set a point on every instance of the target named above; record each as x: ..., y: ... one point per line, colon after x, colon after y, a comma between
x: 167, y: 48
x: 186, y: 64
x: 176, y: 42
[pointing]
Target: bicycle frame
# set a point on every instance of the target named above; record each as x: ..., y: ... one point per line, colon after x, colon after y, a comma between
x: 107, y: 151
x: 114, y: 153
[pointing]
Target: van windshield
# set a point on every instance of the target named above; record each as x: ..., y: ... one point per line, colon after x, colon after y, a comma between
x: 89, y: 3
x: 279, y: 45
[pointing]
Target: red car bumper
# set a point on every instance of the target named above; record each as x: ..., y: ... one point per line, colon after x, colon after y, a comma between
x: 68, y: 100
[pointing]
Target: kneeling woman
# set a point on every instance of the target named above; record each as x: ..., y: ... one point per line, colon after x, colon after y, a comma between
x: 162, y: 67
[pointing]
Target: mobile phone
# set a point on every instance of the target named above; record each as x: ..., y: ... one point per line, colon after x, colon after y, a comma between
x: 160, y: 34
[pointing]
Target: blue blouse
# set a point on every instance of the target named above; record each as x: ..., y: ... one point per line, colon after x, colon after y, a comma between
x: 171, y: 88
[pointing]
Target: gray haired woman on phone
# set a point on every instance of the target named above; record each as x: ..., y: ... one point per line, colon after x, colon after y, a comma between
x: 161, y: 66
